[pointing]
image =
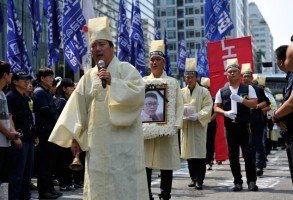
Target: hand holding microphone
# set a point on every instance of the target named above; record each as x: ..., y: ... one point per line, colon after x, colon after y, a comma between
x: 103, y: 74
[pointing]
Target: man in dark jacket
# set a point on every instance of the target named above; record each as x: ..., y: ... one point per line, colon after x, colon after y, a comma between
x: 22, y: 151
x: 257, y: 119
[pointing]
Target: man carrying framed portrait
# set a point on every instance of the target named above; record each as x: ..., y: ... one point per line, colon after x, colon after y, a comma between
x: 162, y: 151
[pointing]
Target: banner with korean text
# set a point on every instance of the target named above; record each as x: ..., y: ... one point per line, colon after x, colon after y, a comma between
x: 218, y: 53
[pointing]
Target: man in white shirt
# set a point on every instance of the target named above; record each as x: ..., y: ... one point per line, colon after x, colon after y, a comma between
x: 234, y: 102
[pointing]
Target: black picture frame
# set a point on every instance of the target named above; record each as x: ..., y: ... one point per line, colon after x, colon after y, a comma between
x: 155, y: 113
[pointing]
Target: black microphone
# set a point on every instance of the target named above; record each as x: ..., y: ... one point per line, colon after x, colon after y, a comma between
x: 101, y: 64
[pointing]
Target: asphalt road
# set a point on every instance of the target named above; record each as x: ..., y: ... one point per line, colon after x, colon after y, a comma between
x: 275, y: 184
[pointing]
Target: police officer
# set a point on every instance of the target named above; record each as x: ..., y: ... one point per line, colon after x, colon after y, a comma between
x: 46, y: 116
x: 22, y: 153
x: 234, y: 102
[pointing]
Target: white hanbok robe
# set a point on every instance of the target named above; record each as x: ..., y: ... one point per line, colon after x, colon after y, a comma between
x: 163, y: 152
x: 106, y: 123
x: 194, y: 133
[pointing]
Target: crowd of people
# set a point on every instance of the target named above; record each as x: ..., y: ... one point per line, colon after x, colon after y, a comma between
x: 51, y: 120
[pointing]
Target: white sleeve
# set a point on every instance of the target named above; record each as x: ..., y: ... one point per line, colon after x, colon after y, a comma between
x: 218, y: 98
x: 251, y: 92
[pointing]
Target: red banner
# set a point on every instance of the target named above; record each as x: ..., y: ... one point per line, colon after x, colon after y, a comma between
x: 218, y: 53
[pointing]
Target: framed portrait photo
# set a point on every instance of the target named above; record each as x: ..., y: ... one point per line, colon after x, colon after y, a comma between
x: 155, y: 105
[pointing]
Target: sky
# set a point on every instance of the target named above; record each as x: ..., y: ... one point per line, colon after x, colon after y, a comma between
x: 279, y: 16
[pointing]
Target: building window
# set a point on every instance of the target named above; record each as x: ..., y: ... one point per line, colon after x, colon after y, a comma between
x: 179, y: 2
x: 171, y: 35
x: 171, y: 23
x: 189, y: 11
x: 190, y: 34
x: 157, y: 2
x: 189, y: 22
x: 158, y: 12
x: 181, y: 35
x: 163, y: 13
x: 180, y: 24
x: 180, y: 13
x: 197, y: 34
x: 196, y: 11
x: 172, y: 46
x: 170, y: 2
x: 170, y: 11
x: 190, y: 45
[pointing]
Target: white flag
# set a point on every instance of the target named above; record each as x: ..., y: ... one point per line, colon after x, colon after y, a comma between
x: 88, y: 13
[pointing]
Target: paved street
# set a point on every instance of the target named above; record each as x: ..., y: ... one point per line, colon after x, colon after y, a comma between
x: 274, y: 184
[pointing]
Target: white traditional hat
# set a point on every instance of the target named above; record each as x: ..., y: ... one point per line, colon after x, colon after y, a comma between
x: 204, y: 81
x: 190, y: 66
x: 99, y: 29
x: 255, y: 76
x: 157, y: 48
x: 246, y: 69
x: 261, y: 80
x: 233, y: 62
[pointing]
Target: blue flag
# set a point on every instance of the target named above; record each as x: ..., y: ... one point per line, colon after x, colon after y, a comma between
x: 167, y: 57
x: 157, y: 32
x: 202, y: 61
x: 73, y: 38
x: 1, y: 19
x: 16, y: 49
x: 182, y: 56
x: 137, y: 43
x: 52, y: 13
x: 217, y: 19
x: 36, y: 23
x: 123, y: 35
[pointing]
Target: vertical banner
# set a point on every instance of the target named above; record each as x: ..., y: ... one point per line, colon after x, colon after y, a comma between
x: 123, y: 35
x: 218, y: 53
x: 16, y: 49
x: 167, y: 67
x: 36, y: 23
x: 136, y: 38
x: 74, y: 42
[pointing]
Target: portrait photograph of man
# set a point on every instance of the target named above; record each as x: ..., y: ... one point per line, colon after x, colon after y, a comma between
x: 153, y: 110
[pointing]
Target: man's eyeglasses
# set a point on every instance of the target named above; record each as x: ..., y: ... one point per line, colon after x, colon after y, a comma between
x: 151, y: 104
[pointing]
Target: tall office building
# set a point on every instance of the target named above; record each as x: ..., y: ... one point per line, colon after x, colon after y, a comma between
x: 185, y: 19
x: 263, y: 41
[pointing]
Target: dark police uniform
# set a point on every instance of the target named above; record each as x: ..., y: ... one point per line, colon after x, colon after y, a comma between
x: 22, y: 159
x: 46, y: 116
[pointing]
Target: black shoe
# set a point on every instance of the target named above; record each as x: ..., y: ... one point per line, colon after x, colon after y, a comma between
x: 191, y: 184
x: 59, y: 194
x: 237, y: 187
x: 209, y: 167
x: 198, y: 186
x: 164, y: 197
x: 48, y: 195
x: 259, y: 171
x: 252, y: 186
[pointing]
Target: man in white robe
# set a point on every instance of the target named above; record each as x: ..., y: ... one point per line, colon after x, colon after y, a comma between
x: 195, y: 124
x: 163, y: 152
x: 105, y: 122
